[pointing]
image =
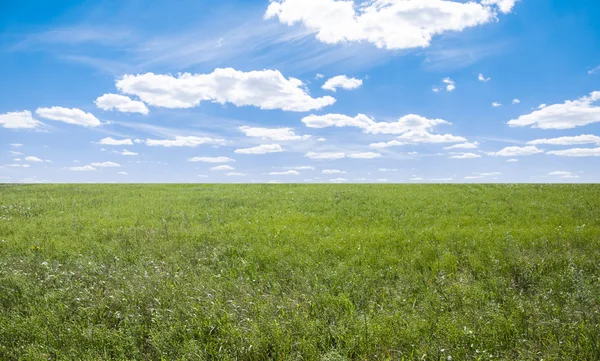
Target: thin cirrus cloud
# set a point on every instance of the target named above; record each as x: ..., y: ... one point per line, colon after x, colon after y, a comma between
x: 570, y: 114
x: 181, y: 141
x: 397, y: 25
x: 277, y: 134
x: 72, y: 116
x: 517, y: 151
x: 343, y: 82
x: 265, y: 89
x: 19, y: 120
x: 121, y: 103
x: 261, y: 149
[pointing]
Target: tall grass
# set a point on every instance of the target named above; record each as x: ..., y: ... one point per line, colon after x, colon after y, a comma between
x: 294, y: 272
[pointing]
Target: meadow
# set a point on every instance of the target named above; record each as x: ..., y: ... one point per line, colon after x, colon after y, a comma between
x: 299, y: 272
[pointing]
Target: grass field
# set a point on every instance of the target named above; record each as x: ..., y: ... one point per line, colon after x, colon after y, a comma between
x: 294, y: 272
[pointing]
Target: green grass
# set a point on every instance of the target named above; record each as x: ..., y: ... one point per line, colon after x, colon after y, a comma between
x: 293, y: 272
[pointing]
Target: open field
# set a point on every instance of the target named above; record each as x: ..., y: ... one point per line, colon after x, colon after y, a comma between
x: 291, y: 272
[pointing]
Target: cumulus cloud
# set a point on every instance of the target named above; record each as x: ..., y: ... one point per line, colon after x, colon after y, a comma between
x: 105, y: 165
x: 289, y: 172
x: 570, y: 114
x: 127, y: 153
x: 221, y: 168
x: 325, y: 155
x: 466, y: 145
x: 111, y: 141
x: 483, y: 78
x: 212, y: 159
x: 450, y: 84
x: 381, y: 145
x: 504, y: 6
x: 577, y: 152
x: 333, y: 171
x: 261, y: 149
x: 342, y: 81
x: 580, y: 139
x: 70, y: 116
x: 19, y: 120
x: 121, y: 103
x: 277, y: 134
x: 33, y: 159
x: 513, y: 160
x: 87, y: 168
x: 564, y: 175
x: 412, y: 128
x: 365, y: 155
x: 496, y: 104
x: 465, y: 156
x: 183, y: 142
x: 517, y: 151
x: 389, y: 24
x: 265, y: 89
x: 235, y: 174
x: 516, y: 101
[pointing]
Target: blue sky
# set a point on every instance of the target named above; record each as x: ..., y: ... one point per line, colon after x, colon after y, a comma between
x: 300, y: 91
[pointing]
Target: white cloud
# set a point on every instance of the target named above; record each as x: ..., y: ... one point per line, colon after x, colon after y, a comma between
x: 33, y: 159
x: 321, y: 139
x: 202, y: 176
x: 342, y: 81
x: 466, y: 145
x: 289, y: 172
x: 483, y: 78
x: 517, y: 151
x: 319, y: 76
x: 516, y: 101
x: 105, y: 165
x: 338, y: 180
x: 234, y: 174
x: 426, y: 137
x: 435, y: 89
x: 111, y: 141
x: 87, y: 168
x: 121, y: 103
x: 570, y: 114
x: 504, y: 6
x: 470, y: 177
x: 302, y: 167
x: 387, y: 170
x: 513, y: 160
x: 594, y: 71
x: 70, y: 116
x: 412, y: 127
x: 18, y: 165
x: 490, y: 174
x: 16, y: 145
x: 564, y: 175
x: 325, y: 156
x: 266, y: 89
x: 450, y: 84
x: 365, y: 155
x: 496, y: 104
x: 127, y: 153
x: 277, y: 134
x: 393, y: 143
x: 416, y: 179
x: 389, y: 24
x: 17, y: 160
x: 19, y: 120
x: 465, y: 156
x: 577, y: 152
x: 261, y: 149
x: 333, y: 171
x: 183, y: 142
x: 122, y: 173
x: 580, y: 139
x: 221, y: 168
x: 212, y: 159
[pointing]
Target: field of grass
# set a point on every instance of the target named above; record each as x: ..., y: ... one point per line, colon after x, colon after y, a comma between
x: 299, y: 272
